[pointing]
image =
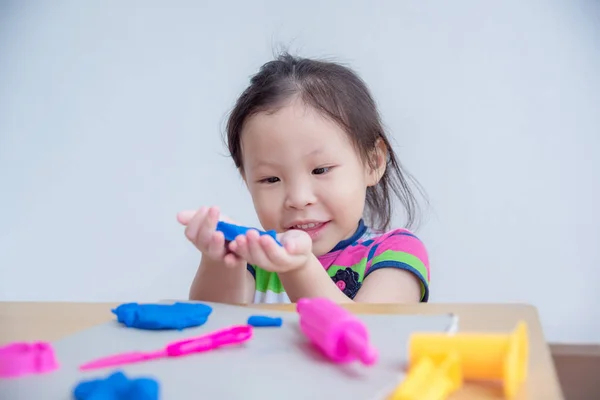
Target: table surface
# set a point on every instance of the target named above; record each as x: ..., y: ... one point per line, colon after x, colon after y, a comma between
x: 28, y: 321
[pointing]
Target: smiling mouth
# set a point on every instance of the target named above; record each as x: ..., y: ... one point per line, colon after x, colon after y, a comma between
x: 310, y: 226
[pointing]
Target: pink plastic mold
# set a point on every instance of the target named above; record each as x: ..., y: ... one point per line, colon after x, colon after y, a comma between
x: 22, y: 358
x: 338, y: 334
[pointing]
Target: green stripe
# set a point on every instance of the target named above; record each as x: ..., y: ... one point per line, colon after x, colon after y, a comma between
x: 402, y: 257
x: 266, y: 280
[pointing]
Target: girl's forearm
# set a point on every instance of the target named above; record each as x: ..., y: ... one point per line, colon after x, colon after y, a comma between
x: 311, y: 281
x: 220, y: 284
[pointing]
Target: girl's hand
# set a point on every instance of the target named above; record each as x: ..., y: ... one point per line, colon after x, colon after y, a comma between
x: 264, y: 252
x: 201, y: 231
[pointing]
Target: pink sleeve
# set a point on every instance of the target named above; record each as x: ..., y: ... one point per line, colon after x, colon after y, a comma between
x: 400, y: 248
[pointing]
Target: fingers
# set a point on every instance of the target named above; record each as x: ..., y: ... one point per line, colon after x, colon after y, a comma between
x: 276, y: 254
x: 239, y: 246
x: 206, y: 229
x: 257, y: 252
x: 296, y: 242
x: 231, y: 260
x: 193, y: 225
x: 260, y: 250
x: 184, y: 217
x: 290, y: 246
x: 201, y: 231
x: 216, y: 245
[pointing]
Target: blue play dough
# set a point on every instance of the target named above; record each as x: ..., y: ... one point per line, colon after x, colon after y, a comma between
x: 162, y: 316
x: 261, y: 320
x: 117, y: 386
x: 231, y: 231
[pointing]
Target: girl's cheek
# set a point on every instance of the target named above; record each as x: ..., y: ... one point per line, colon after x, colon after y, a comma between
x: 339, y: 187
x: 268, y: 208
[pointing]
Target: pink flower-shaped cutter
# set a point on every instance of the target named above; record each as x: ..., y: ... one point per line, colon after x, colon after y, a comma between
x: 23, y: 358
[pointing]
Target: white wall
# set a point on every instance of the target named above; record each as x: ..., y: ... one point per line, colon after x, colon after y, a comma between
x: 111, y: 116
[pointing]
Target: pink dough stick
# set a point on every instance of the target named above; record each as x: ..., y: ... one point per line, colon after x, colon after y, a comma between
x: 340, y: 335
x: 229, y: 336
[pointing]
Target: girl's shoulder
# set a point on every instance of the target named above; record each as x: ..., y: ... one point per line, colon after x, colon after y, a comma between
x: 390, y: 236
x: 398, y: 244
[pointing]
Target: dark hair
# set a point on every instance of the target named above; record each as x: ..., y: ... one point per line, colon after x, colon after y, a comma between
x: 340, y: 94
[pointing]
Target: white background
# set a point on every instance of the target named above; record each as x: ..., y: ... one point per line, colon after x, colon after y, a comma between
x: 111, y: 116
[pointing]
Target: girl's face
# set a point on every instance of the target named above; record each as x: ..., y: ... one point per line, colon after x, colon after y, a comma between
x: 304, y: 173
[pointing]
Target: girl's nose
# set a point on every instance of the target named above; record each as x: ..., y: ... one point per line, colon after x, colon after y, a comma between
x: 299, y: 197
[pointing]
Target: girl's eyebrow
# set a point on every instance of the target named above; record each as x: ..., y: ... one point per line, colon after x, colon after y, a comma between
x: 314, y: 152
x: 264, y: 163
x: 270, y: 163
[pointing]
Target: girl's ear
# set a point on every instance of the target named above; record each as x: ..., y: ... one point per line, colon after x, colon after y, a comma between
x: 378, y: 162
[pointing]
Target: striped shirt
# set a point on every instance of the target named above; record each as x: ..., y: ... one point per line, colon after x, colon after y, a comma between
x: 353, y: 259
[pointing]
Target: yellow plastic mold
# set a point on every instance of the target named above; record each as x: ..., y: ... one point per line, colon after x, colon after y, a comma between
x: 482, y: 356
x: 430, y: 380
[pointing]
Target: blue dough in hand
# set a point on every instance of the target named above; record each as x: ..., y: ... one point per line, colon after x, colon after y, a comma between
x: 162, y: 316
x: 117, y: 387
x: 231, y: 231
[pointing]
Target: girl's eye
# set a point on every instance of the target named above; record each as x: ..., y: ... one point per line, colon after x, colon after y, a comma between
x: 320, y: 171
x: 271, y: 179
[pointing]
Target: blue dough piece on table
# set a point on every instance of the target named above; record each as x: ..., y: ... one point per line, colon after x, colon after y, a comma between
x: 231, y: 231
x: 162, y: 316
x: 117, y: 387
x: 261, y: 320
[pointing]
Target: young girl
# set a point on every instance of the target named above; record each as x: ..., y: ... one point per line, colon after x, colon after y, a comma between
x: 307, y: 139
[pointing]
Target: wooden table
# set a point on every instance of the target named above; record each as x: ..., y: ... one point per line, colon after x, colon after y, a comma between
x: 51, y: 321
